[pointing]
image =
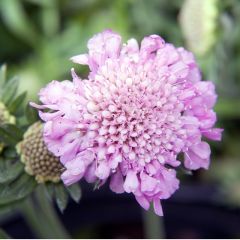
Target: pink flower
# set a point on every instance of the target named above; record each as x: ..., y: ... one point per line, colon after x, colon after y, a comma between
x: 128, y: 122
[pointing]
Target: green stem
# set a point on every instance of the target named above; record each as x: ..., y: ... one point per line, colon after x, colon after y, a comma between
x: 49, y: 213
x: 42, y: 217
x: 153, y: 225
x: 34, y: 221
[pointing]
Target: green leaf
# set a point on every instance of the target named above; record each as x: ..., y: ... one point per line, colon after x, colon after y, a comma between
x: 14, y: 130
x: 10, y: 153
x: 10, y: 90
x: 51, y: 10
x: 9, y: 171
x: 16, y: 20
x: 31, y: 114
x: 4, y: 235
x: 8, y: 208
x: 61, y: 197
x: 6, y: 137
x: 16, y: 190
x: 3, y: 71
x: 10, y: 134
x: 49, y: 187
x: 75, y: 192
x: 16, y: 104
x: 40, y: 3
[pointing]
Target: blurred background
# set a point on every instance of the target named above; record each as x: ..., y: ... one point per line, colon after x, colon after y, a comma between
x: 39, y: 36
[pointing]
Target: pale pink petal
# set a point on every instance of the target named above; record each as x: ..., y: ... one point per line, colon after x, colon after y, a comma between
x: 116, y: 183
x: 102, y: 171
x: 80, y: 59
x: 112, y: 44
x: 131, y: 182
x: 132, y: 46
x: 213, y: 134
x: 148, y: 184
x: 152, y: 43
x: 198, y: 156
x: 179, y: 69
x: 201, y: 149
x: 89, y: 175
x: 143, y: 201
x: 74, y: 172
x: 61, y: 127
x: 157, y: 207
x: 207, y: 89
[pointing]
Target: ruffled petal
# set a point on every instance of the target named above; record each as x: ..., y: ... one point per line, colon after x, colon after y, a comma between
x: 116, y: 183
x: 102, y: 171
x: 131, y: 182
x: 89, y: 175
x: 198, y: 156
x: 157, y: 207
x: 213, y: 134
x: 143, y: 201
x: 80, y: 59
x: 74, y: 172
x: 148, y: 184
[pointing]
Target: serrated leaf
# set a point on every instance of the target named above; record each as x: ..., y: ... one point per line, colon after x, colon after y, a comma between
x: 10, y: 90
x: 16, y: 104
x: 75, y: 192
x: 61, y: 197
x: 3, y: 71
x: 17, y: 189
x: 9, y: 171
x: 31, y: 114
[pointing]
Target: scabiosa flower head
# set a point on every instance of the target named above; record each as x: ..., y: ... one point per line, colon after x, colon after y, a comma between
x: 128, y: 122
x: 38, y: 161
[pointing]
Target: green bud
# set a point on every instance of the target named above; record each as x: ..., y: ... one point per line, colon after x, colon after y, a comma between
x: 39, y: 162
x: 198, y: 20
x: 5, y: 118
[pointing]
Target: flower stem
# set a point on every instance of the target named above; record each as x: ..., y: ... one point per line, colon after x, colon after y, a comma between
x: 33, y: 220
x: 153, y: 225
x: 42, y: 217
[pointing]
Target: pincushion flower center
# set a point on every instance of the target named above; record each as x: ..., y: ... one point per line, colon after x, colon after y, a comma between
x: 137, y: 119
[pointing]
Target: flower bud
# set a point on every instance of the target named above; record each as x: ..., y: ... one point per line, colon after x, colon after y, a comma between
x: 5, y: 118
x: 38, y: 161
x: 198, y: 20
